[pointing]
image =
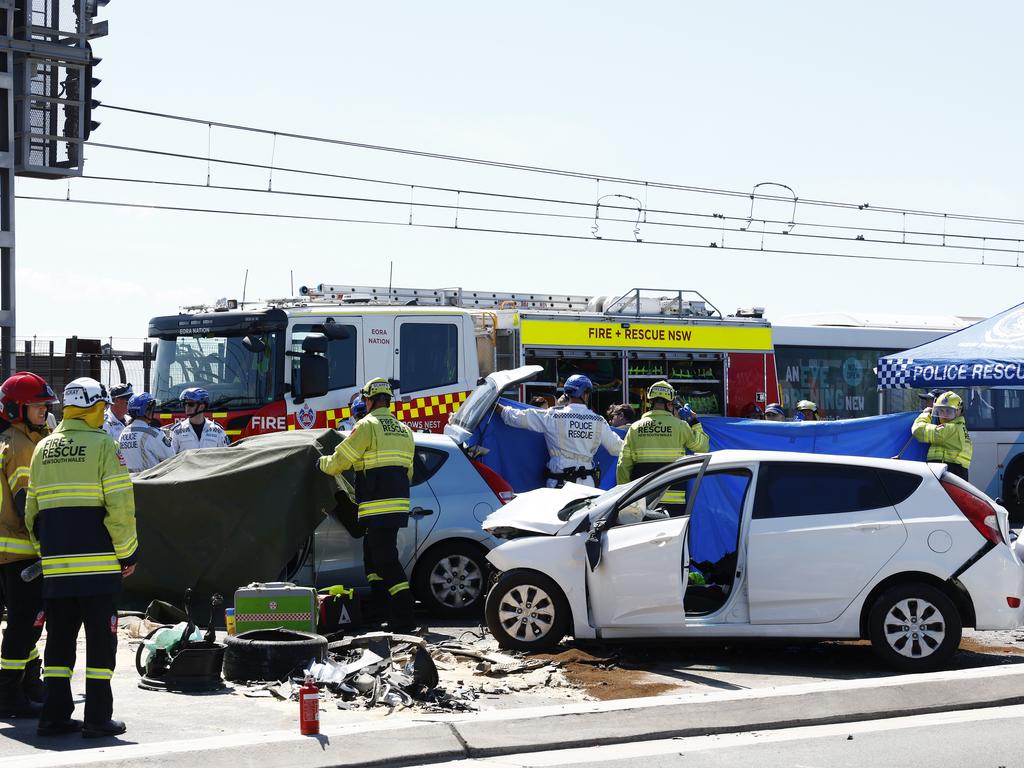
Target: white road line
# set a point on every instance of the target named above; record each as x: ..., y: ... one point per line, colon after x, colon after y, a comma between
x: 633, y: 750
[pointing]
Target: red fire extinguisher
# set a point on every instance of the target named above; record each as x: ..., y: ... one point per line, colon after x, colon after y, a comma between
x: 309, y: 708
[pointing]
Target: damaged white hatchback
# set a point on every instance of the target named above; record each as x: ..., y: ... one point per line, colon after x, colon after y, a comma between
x: 767, y: 544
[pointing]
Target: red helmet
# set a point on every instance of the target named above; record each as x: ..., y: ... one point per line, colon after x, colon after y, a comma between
x: 23, y: 389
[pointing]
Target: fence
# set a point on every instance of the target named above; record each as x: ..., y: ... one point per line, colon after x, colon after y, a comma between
x: 59, y: 364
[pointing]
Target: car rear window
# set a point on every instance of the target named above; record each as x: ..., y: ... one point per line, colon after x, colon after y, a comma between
x: 426, y: 463
x: 795, y: 489
x: 898, y: 485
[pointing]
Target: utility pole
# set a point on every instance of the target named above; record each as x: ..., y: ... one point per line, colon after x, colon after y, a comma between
x: 46, y: 105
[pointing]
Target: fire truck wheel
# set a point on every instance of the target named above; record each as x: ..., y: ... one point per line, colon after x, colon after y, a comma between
x: 451, y: 578
x: 270, y: 654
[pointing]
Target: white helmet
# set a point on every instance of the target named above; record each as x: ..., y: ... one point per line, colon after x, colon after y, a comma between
x: 84, y: 392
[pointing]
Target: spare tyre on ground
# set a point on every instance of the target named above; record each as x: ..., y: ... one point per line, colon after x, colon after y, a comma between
x: 271, y: 654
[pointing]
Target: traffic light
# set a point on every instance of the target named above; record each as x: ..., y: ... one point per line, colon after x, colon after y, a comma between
x: 90, y: 81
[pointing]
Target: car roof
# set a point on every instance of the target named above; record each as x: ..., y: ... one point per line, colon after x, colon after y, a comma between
x: 431, y: 440
x: 732, y: 456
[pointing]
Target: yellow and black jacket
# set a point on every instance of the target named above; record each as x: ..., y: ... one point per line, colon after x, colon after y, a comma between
x: 380, y: 450
x: 80, y: 511
x: 658, y: 438
x: 17, y: 443
x: 949, y: 443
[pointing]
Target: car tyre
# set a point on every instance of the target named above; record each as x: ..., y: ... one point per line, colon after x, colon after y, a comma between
x: 527, y: 611
x: 451, y: 578
x: 914, y: 627
x: 270, y: 654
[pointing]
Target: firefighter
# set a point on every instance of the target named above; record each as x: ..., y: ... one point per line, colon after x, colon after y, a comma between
x: 114, y: 418
x: 26, y: 400
x: 380, y: 450
x: 658, y: 438
x: 143, y: 444
x: 948, y: 441
x: 573, y: 434
x: 195, y: 430
x: 80, y: 514
x: 806, y: 411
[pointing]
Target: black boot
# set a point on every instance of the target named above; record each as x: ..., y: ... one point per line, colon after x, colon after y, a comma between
x: 401, y: 616
x: 101, y: 730
x: 58, y: 727
x: 13, y: 701
x: 32, y: 683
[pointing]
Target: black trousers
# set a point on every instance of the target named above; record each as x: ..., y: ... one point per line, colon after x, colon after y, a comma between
x: 24, y: 600
x: 957, y: 470
x: 388, y: 582
x: 65, y: 616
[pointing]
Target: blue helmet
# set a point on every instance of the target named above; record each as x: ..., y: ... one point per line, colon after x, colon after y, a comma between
x: 139, y: 404
x: 358, y: 408
x: 577, y: 385
x: 195, y: 395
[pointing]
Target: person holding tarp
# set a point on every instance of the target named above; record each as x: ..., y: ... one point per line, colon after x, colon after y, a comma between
x: 658, y: 438
x: 948, y: 441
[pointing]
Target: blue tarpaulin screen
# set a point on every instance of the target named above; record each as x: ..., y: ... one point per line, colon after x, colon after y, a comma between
x: 519, y: 455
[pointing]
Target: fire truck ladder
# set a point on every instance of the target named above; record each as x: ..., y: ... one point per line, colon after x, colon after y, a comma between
x: 443, y: 297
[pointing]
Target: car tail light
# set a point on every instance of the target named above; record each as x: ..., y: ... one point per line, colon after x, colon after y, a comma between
x: 1013, y: 602
x: 977, y: 510
x: 495, y: 482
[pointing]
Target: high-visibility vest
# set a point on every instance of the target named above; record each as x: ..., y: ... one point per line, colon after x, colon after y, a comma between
x: 17, y: 443
x: 80, y: 511
x: 949, y: 443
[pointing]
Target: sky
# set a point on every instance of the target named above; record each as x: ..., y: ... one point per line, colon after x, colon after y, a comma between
x: 909, y: 105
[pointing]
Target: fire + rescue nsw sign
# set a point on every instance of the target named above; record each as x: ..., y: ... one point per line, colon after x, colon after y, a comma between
x: 626, y: 335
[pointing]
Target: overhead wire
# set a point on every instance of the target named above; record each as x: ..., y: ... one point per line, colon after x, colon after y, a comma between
x: 563, y: 172
x: 561, y: 201
x: 461, y: 207
x: 495, y: 230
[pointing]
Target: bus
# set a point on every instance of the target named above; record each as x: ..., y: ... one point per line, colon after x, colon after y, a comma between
x: 830, y: 359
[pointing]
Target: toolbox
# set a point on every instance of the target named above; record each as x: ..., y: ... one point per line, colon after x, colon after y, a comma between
x: 275, y: 604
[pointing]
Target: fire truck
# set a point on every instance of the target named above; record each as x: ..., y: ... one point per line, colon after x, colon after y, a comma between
x: 296, y: 363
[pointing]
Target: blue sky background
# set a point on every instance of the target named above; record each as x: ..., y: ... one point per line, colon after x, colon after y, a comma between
x: 912, y: 104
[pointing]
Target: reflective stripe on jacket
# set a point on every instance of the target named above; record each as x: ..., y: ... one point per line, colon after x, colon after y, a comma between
x: 80, y: 511
x: 658, y: 438
x: 949, y: 443
x: 16, y: 445
x: 380, y: 449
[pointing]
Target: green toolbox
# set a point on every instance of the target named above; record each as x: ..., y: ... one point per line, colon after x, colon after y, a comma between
x: 275, y: 604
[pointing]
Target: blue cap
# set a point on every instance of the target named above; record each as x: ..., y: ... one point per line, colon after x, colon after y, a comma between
x: 577, y: 384
x: 195, y: 395
x: 139, y: 404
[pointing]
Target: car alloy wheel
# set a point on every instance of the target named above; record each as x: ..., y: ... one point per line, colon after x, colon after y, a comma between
x: 914, y: 628
x: 456, y: 581
x: 527, y: 613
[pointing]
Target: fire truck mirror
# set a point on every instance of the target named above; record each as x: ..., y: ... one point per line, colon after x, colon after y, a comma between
x: 333, y: 330
x: 254, y: 344
x: 314, y: 344
x: 395, y: 384
x: 313, y: 368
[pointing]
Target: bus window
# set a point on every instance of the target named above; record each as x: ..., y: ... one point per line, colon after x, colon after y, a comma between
x: 840, y: 380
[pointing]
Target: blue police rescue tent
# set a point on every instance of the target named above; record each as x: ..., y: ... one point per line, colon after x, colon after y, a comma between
x: 989, y: 353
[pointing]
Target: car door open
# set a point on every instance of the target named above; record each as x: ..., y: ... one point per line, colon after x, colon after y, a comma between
x: 637, y: 555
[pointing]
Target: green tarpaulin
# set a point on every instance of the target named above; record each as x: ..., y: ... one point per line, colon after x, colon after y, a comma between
x: 219, y: 518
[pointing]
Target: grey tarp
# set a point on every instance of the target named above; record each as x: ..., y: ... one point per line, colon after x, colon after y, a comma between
x: 219, y: 518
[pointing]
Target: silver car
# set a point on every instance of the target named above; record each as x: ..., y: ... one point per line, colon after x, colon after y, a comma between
x: 443, y: 549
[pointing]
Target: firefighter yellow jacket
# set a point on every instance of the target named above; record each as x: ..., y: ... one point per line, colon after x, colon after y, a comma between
x: 380, y: 449
x: 80, y: 511
x: 16, y: 445
x: 949, y: 443
x: 656, y: 439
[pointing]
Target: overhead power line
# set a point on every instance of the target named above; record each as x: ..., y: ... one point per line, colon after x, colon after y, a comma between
x: 591, y: 176
x: 944, y: 237
x: 463, y: 208
x: 496, y: 230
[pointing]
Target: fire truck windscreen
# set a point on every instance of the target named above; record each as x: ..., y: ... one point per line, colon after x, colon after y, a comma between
x: 237, y: 371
